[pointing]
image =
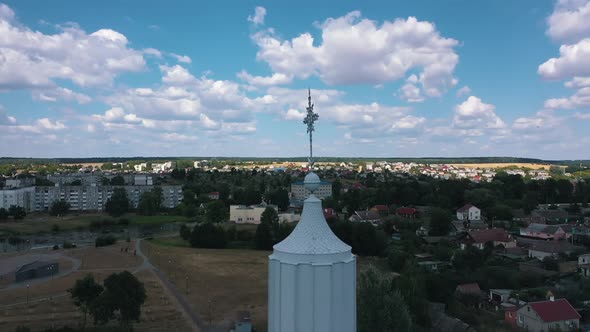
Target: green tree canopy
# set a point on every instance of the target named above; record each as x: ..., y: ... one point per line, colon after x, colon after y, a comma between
x: 216, y: 212
x: 440, y: 222
x: 379, y: 306
x: 84, y: 293
x: 269, y: 216
x: 118, y: 204
x: 208, y: 235
x: 263, y: 238
x: 59, y: 208
x: 150, y: 202
x: 17, y: 212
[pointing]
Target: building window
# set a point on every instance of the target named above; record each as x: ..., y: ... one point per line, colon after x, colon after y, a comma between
x: 520, y: 319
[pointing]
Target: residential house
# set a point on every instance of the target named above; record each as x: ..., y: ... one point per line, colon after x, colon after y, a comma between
x: 584, y: 264
x: 548, y: 315
x: 407, y: 212
x: 547, y: 232
x: 383, y: 210
x: 497, y: 236
x: 510, y: 314
x: 468, y: 289
x: 366, y: 216
x: 540, y: 249
x: 214, y: 195
x: 469, y: 213
x: 329, y: 213
x: 499, y: 296
x: 549, y: 216
x: 432, y: 266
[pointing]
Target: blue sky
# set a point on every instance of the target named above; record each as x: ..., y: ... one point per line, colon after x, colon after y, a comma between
x: 229, y: 78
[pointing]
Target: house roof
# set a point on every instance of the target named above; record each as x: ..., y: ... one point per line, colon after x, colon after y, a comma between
x: 493, y: 234
x: 406, y: 210
x: 380, y: 208
x: 368, y: 215
x: 550, y: 214
x: 465, y: 207
x: 547, y: 229
x: 472, y: 288
x: 553, y: 311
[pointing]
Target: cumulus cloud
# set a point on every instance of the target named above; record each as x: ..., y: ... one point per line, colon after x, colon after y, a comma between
x: 574, y: 60
x: 464, y: 91
x: 61, y: 94
x: 259, y: 14
x: 356, y: 50
x: 5, y: 119
x: 181, y: 58
x: 473, y: 113
x: 570, y: 21
x: 580, y: 99
x: 34, y: 59
x: 274, y: 79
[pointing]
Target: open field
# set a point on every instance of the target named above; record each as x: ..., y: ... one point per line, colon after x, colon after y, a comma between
x: 220, y: 282
x: 500, y: 165
x: 49, y: 303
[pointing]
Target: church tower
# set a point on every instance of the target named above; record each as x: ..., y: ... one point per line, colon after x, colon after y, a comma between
x: 312, y: 273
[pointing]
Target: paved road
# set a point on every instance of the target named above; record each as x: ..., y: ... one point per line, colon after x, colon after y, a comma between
x: 180, y: 297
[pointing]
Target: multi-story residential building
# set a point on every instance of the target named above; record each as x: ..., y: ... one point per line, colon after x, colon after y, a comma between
x: 23, y: 197
x: 86, y: 179
x: 299, y: 193
x: 140, y: 167
x: 94, y: 198
x: 20, y: 183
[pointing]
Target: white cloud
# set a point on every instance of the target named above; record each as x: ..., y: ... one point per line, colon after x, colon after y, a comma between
x: 5, y: 119
x: 582, y: 116
x: 259, y: 14
x: 464, y: 91
x: 580, y: 99
x: 153, y: 52
x: 574, y: 60
x: 293, y: 114
x: 181, y: 58
x: 34, y: 59
x: 570, y: 21
x: 176, y: 137
x: 408, y: 122
x: 355, y: 50
x: 275, y: 79
x: 177, y: 75
x: 59, y: 93
x: 475, y: 114
x: 410, y: 92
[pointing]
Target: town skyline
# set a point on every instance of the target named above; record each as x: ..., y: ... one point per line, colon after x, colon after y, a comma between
x: 388, y: 80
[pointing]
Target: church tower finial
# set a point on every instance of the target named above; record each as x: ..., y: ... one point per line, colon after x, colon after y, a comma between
x: 309, y: 120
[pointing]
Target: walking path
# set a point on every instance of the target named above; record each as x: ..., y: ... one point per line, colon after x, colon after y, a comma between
x: 75, y: 266
x: 185, y: 306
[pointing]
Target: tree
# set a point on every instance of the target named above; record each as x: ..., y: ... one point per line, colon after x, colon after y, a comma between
x: 84, y: 293
x: 440, y: 222
x: 208, y: 235
x: 379, y: 306
x: 550, y: 263
x: 3, y: 214
x: 216, y: 212
x: 263, y: 238
x: 150, y: 202
x: 17, y: 212
x: 269, y: 216
x: 59, y: 208
x: 122, y: 298
x: 118, y: 204
x: 279, y: 197
x: 117, y: 181
x: 185, y: 232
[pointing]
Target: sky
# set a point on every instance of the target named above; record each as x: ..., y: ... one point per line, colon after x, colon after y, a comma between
x: 229, y: 78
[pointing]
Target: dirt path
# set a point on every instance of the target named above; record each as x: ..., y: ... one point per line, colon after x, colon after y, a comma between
x: 183, y: 304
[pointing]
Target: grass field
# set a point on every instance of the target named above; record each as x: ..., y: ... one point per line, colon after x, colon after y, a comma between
x: 231, y: 279
x: 49, y: 304
x: 501, y: 165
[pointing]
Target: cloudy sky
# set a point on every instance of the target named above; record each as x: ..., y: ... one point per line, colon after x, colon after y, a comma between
x: 230, y: 78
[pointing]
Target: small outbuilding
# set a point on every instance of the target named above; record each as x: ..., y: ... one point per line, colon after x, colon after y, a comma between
x: 36, y: 269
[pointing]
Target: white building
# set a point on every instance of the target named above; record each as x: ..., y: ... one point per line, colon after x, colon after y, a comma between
x: 242, y: 214
x: 23, y: 197
x: 312, y: 276
x: 469, y: 213
x: 299, y: 193
x: 162, y: 167
x: 140, y: 167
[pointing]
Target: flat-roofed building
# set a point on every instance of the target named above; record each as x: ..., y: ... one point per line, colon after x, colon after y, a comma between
x: 243, y: 214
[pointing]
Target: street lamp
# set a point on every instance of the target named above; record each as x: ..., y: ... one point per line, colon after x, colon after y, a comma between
x: 28, y: 294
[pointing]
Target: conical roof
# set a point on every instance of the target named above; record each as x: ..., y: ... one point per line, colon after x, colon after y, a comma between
x: 312, y: 235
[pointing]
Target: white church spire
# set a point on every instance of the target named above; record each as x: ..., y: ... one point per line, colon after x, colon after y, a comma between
x: 312, y: 273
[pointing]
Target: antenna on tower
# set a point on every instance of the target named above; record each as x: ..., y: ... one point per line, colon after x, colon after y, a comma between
x: 309, y: 120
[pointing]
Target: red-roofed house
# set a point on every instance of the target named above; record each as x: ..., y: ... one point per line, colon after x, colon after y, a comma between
x: 381, y: 209
x: 214, y: 195
x: 469, y: 213
x: 547, y: 315
x: 472, y: 289
x: 329, y: 213
x: 510, y: 314
x: 495, y: 235
x: 407, y: 212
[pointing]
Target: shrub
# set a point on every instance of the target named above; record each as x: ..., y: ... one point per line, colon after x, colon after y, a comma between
x: 208, y: 235
x: 105, y: 240
x: 68, y: 245
x: 55, y: 247
x: 123, y: 221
